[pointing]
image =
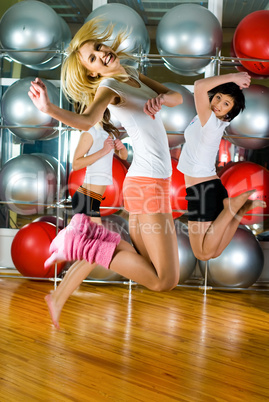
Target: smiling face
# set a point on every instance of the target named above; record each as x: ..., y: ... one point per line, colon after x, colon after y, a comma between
x: 99, y: 59
x: 221, y: 104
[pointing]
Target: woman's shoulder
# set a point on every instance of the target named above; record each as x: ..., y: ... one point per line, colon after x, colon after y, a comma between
x: 131, y: 71
x: 215, y: 123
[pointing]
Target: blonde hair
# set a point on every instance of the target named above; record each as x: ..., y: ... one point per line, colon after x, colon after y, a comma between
x: 78, y: 86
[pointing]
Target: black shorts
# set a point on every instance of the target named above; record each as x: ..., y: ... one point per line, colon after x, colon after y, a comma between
x: 86, y: 202
x: 205, y: 200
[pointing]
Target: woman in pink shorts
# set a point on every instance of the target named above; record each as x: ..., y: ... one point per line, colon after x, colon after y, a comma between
x: 93, y: 77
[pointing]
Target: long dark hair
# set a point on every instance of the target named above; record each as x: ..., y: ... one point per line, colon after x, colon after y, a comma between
x: 233, y: 90
x: 106, y: 120
x: 107, y: 124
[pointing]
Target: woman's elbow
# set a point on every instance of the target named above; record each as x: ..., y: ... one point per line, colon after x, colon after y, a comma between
x: 180, y: 99
x: 85, y: 127
x: 76, y: 165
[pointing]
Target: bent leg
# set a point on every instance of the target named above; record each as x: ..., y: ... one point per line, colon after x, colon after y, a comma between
x: 233, y: 225
x: 209, y: 239
x: 157, y: 240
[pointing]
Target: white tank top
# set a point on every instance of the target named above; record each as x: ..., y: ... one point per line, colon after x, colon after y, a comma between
x: 198, y: 156
x: 100, y: 172
x: 151, y: 156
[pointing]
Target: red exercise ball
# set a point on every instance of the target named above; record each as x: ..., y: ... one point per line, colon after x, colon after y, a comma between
x: 177, y: 190
x: 113, y: 195
x: 251, y: 41
x: 51, y: 219
x: 75, y: 179
x: 30, y: 249
x: 226, y: 167
x: 242, y: 69
x: 244, y: 176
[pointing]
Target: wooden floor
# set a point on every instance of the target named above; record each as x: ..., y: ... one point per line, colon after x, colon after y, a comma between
x: 142, y: 346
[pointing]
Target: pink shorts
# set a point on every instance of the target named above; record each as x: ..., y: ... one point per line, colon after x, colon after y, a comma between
x: 146, y: 195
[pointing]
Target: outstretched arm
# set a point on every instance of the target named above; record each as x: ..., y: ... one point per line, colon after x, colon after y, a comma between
x: 92, y: 114
x: 203, y: 86
x: 165, y: 97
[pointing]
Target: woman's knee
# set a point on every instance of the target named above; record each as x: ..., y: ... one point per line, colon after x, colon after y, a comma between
x: 166, y: 284
x: 203, y: 256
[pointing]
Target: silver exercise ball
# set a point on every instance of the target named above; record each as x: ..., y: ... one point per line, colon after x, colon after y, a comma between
x: 18, y: 110
x: 253, y: 121
x: 124, y: 18
x: 57, y: 59
x: 188, y: 29
x: 178, y: 118
x: 27, y: 178
x: 117, y: 224
x: 189, y: 73
x: 239, y: 265
x: 30, y: 25
x: 51, y: 160
x: 187, y: 260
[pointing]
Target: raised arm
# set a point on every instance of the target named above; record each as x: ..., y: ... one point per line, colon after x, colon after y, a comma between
x: 203, y: 86
x: 165, y: 97
x: 92, y: 114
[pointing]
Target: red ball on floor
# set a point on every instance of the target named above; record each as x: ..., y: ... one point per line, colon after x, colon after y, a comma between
x: 30, y: 249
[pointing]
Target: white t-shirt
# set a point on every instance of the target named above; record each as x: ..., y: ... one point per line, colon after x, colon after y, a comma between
x: 100, y: 172
x: 151, y: 156
x: 198, y: 156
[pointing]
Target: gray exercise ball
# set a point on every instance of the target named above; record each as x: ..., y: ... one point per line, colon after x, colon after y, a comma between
x: 117, y: 224
x: 27, y: 178
x: 54, y: 164
x: 240, y: 264
x: 253, y: 121
x: 188, y: 29
x: 18, y: 110
x: 177, y: 118
x: 187, y: 260
x: 30, y: 25
x: 189, y: 73
x: 124, y: 18
x: 57, y: 59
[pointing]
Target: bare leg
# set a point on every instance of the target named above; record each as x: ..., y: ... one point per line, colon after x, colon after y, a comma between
x: 73, y: 278
x: 155, y: 239
x: 158, y: 234
x: 135, y: 234
x: 96, y: 220
x: 232, y: 227
x: 208, y: 239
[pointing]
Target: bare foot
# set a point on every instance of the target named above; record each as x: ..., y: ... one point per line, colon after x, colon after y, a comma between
x: 54, y: 315
x: 251, y: 204
x: 235, y: 203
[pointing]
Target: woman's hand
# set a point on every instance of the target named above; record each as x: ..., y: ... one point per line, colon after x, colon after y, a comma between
x: 154, y: 105
x: 39, y: 95
x: 118, y: 145
x: 120, y: 149
x: 108, y: 145
x: 242, y: 79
